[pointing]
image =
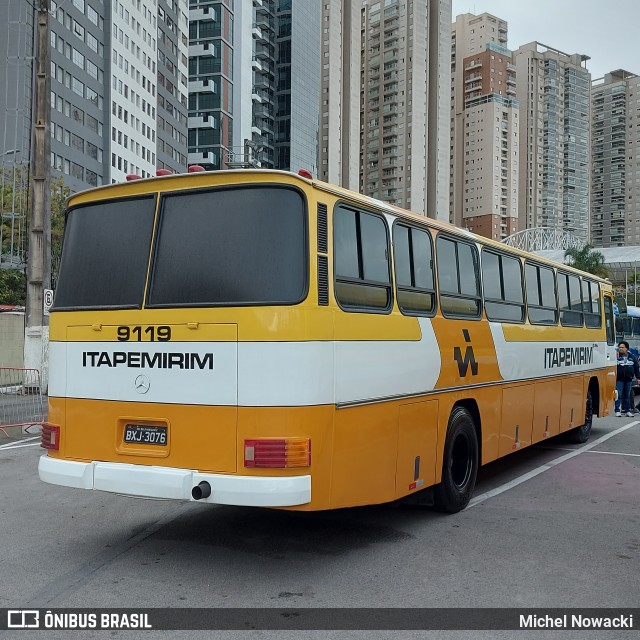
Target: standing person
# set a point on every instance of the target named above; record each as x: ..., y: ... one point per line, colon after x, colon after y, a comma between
x: 628, y: 368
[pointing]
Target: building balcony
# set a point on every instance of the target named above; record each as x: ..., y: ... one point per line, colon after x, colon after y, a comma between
x: 202, y: 122
x: 202, y: 14
x: 474, y: 64
x: 263, y: 53
x: 262, y: 22
x: 473, y: 76
x: 202, y: 86
x: 202, y: 49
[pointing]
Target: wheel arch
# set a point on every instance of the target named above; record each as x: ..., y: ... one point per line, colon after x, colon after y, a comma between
x: 594, y: 387
x: 472, y: 407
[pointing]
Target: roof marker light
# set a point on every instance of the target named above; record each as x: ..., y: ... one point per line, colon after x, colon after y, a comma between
x: 164, y: 172
x: 195, y: 168
x: 133, y: 176
x: 305, y: 173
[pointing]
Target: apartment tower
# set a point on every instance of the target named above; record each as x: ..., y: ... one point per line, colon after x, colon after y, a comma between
x: 615, y: 160
x: 405, y: 102
x: 211, y: 27
x: 173, y: 88
x: 339, y: 153
x: 484, y: 128
x: 553, y: 90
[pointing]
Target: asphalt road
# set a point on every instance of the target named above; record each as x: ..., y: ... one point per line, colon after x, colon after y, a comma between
x: 551, y: 526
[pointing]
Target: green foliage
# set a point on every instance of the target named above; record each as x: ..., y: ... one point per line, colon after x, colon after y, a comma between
x: 586, y: 259
x: 13, y: 287
x: 14, y: 196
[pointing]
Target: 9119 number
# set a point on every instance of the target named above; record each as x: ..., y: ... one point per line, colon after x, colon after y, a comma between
x: 140, y: 334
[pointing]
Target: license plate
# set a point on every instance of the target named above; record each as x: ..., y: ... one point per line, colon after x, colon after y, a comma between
x: 145, y: 434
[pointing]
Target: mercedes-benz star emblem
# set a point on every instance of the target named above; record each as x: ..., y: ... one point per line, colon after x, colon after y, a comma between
x: 142, y: 384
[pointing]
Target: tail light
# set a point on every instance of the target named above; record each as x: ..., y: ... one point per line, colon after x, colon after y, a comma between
x: 277, y: 453
x: 50, y: 437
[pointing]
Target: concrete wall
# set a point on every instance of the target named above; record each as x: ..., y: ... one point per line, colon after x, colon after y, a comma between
x: 11, y: 339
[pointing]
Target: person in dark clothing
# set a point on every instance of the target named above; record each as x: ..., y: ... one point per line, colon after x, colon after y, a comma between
x: 628, y: 368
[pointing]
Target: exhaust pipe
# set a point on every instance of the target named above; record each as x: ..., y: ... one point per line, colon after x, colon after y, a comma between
x: 203, y: 490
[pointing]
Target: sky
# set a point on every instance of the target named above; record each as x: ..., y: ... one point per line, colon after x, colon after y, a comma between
x: 606, y: 30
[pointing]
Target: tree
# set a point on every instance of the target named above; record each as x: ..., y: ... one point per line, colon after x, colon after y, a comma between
x: 14, y: 197
x: 586, y: 259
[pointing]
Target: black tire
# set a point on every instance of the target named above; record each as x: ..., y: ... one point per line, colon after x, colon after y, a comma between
x: 579, y: 435
x: 459, y: 463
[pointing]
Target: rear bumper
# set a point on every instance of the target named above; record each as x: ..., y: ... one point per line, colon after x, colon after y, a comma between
x: 166, y: 483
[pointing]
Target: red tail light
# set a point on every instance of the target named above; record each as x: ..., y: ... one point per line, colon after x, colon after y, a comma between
x: 277, y: 453
x: 50, y: 437
x: 132, y: 176
x: 164, y: 172
x: 195, y: 168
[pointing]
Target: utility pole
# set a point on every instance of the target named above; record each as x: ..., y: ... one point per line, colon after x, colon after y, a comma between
x: 36, y: 339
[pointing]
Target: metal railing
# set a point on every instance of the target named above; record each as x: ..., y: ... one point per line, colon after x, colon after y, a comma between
x: 21, y: 403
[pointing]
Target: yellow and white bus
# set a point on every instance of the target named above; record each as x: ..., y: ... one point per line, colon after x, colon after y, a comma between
x: 261, y: 338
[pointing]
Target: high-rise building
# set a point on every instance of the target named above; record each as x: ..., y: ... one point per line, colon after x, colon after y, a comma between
x: 273, y: 84
x: 172, y: 89
x: 405, y: 103
x: 81, y: 113
x: 339, y: 142
x: 298, y: 84
x: 615, y: 158
x: 553, y: 90
x: 118, y: 86
x: 211, y: 76
x: 484, y: 128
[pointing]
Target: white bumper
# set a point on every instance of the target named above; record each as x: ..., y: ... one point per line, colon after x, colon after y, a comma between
x: 162, y: 482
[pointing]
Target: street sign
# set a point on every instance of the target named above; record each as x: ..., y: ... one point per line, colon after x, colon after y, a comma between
x: 47, y: 300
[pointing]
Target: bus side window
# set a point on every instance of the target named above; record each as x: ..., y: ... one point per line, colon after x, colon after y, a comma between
x: 458, y: 278
x: 592, y: 310
x: 413, y: 259
x: 362, y: 274
x: 541, y: 294
x: 570, y: 299
x: 503, y: 290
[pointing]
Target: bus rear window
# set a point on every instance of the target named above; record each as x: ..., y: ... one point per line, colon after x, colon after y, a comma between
x: 105, y: 255
x: 230, y: 247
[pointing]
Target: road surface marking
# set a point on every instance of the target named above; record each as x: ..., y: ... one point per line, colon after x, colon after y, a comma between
x: 545, y: 467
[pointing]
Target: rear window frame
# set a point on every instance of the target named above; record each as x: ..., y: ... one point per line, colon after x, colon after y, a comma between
x: 153, y: 196
x: 228, y: 187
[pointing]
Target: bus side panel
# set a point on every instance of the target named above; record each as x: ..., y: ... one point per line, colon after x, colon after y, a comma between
x: 364, y: 455
x: 546, y: 411
x: 417, y: 441
x: 572, y: 403
x: 517, y: 418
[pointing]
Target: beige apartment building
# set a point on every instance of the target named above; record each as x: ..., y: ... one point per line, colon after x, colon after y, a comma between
x: 615, y: 158
x: 405, y: 80
x: 484, y: 128
x: 339, y: 148
x: 553, y: 91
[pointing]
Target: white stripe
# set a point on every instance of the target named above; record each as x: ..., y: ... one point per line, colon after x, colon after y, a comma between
x: 11, y: 445
x: 522, y: 359
x: 20, y: 446
x: 545, y: 467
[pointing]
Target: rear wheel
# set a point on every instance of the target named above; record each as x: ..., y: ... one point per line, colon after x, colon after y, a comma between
x: 459, y: 463
x: 581, y: 434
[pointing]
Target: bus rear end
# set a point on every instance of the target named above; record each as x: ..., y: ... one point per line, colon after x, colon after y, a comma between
x: 179, y: 343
